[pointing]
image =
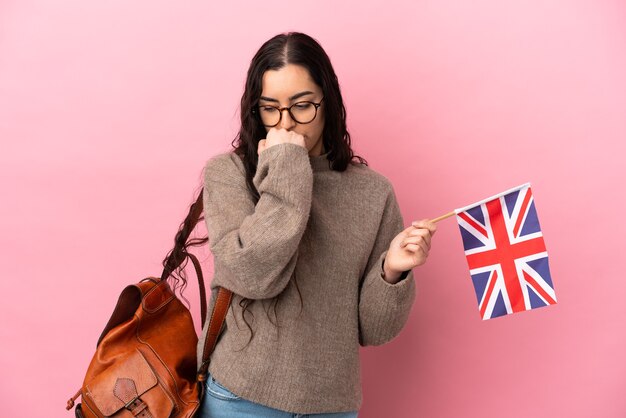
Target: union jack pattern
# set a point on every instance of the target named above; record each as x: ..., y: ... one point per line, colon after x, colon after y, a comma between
x: 506, y: 253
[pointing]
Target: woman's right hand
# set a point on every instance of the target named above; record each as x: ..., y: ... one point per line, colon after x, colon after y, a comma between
x: 280, y: 136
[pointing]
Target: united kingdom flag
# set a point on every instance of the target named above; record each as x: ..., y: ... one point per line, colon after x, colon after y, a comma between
x: 506, y: 253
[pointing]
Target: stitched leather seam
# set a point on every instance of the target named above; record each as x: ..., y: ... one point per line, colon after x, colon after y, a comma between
x: 166, y: 368
x: 161, y: 383
x: 91, y: 409
x: 154, y: 289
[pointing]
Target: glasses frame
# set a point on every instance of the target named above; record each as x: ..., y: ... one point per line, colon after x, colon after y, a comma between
x: 288, y: 109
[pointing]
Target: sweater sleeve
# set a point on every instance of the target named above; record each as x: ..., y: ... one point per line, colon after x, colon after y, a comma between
x: 255, y: 247
x: 384, y: 307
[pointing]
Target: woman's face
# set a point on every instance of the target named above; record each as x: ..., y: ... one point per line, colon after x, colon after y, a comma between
x: 286, y: 86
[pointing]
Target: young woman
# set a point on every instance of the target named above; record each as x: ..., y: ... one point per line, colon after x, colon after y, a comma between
x: 311, y: 243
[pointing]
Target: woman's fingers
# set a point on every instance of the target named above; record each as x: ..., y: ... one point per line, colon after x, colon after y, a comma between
x: 416, y: 247
x: 418, y: 236
x: 415, y: 239
x: 425, y: 234
x: 278, y: 136
x: 421, y: 240
x: 425, y: 224
x: 261, y: 146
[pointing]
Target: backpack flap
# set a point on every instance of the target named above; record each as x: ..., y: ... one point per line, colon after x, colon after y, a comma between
x: 129, y: 383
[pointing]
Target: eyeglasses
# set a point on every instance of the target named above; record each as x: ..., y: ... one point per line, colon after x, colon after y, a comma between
x: 302, y: 112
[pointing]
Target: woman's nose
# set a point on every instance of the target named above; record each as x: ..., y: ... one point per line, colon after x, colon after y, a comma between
x: 286, y: 121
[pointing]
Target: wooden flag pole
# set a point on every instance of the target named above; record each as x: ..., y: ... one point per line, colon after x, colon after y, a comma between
x: 447, y: 215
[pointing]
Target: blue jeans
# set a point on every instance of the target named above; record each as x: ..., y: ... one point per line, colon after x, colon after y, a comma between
x: 219, y: 402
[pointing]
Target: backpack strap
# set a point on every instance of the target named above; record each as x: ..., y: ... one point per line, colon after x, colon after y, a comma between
x: 216, y: 324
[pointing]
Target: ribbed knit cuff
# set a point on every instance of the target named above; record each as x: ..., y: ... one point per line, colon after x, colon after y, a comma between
x: 392, y: 295
x: 384, y: 307
x: 403, y: 277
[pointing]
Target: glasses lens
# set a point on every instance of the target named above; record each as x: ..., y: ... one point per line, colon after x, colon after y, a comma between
x: 269, y: 115
x: 303, y: 112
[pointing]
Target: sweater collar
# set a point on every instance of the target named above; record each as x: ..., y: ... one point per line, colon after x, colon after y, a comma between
x: 320, y: 162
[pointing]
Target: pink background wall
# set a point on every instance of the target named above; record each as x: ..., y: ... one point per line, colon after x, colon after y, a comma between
x: 108, y: 111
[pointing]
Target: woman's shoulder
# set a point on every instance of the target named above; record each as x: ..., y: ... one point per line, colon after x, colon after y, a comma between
x: 226, y: 163
x: 368, y: 176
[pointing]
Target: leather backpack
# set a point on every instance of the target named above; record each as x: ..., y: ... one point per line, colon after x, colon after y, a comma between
x: 145, y: 364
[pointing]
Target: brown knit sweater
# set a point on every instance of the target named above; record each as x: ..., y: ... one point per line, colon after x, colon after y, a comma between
x: 333, y: 228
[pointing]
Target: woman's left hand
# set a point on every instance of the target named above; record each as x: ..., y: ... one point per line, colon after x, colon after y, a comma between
x: 409, y: 249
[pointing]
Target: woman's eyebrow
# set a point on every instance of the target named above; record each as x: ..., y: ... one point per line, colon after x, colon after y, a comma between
x: 294, y: 97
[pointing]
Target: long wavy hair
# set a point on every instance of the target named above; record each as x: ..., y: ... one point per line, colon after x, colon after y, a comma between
x: 286, y: 48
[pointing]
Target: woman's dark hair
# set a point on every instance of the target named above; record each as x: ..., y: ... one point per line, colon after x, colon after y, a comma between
x: 286, y: 48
